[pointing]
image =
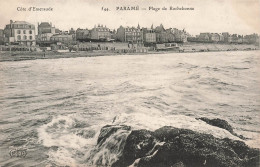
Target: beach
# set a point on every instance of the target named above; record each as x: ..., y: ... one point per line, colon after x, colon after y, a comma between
x: 186, y: 48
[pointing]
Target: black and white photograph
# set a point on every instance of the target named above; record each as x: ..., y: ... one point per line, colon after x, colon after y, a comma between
x: 129, y: 83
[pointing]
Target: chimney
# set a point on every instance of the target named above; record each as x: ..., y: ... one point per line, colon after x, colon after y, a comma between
x: 11, y: 21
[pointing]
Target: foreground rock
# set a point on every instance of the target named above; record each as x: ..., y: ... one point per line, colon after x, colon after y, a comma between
x: 108, y: 130
x: 221, y: 124
x: 174, y: 147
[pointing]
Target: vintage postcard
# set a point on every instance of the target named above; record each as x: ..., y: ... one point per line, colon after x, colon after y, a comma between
x: 127, y: 83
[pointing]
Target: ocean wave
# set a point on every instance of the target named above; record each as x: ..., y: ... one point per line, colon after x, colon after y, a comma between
x: 81, y: 143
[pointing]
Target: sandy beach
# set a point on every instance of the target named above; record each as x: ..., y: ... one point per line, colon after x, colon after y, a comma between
x: 188, y: 48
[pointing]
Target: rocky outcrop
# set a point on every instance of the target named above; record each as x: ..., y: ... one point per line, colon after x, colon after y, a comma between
x: 137, y: 145
x: 169, y: 146
x: 108, y: 130
x: 195, y: 149
x: 221, y: 124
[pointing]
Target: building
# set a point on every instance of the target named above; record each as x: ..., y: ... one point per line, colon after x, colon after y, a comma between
x: 214, y: 37
x: 170, y: 35
x: 45, y: 32
x: 221, y: 38
x: 251, y: 39
x: 113, y: 34
x: 73, y: 33
x: 2, y: 38
x: 225, y: 35
x: 100, y: 33
x: 20, y: 32
x: 83, y: 35
x: 204, y: 37
x: 129, y: 34
x: 192, y: 39
x: 180, y: 35
x: 62, y: 38
x: 161, y: 34
x: 233, y: 38
x: 240, y: 39
x: 149, y: 35
x: 45, y: 37
x: 45, y: 27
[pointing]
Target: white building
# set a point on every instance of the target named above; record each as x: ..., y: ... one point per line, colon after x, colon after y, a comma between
x: 20, y: 32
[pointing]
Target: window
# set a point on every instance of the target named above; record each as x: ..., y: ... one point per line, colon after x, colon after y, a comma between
x: 19, y: 37
x: 30, y: 37
x: 24, y: 37
x: 30, y: 32
x: 18, y: 31
x: 24, y: 31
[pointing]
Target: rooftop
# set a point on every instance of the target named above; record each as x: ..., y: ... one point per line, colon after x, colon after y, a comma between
x: 45, y: 24
x: 21, y: 22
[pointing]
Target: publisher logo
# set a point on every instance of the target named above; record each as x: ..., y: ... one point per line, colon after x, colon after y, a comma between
x: 18, y: 152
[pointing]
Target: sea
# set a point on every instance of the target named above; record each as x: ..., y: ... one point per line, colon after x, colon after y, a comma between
x: 52, y: 110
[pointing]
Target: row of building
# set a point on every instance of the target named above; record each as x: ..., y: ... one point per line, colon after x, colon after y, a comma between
x: 225, y: 37
x: 133, y: 34
x: 24, y: 33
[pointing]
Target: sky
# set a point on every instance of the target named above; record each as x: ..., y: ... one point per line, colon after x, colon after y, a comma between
x: 216, y: 16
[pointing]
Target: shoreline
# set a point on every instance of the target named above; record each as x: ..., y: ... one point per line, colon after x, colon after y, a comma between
x: 28, y: 55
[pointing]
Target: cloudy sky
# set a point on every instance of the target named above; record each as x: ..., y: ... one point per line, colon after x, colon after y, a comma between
x: 234, y: 16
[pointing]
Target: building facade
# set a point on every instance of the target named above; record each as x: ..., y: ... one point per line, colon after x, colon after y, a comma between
x: 204, y: 37
x: 62, y: 38
x: 225, y: 35
x: 45, y: 32
x: 20, y: 32
x: 161, y: 34
x: 214, y: 37
x: 83, y: 34
x: 2, y: 37
x: 45, y: 27
x: 221, y: 38
x: 180, y: 35
x: 129, y: 34
x: 149, y: 35
x: 251, y: 39
x: 100, y: 33
x: 46, y: 37
x: 170, y: 35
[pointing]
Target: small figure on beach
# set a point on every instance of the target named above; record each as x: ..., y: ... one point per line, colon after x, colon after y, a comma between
x: 44, y: 53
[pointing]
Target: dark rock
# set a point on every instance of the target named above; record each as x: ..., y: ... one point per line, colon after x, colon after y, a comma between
x: 138, y: 144
x: 110, y: 143
x: 253, y: 162
x: 182, y: 147
x: 178, y: 164
x: 192, y: 148
x: 219, y: 123
x: 108, y: 130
